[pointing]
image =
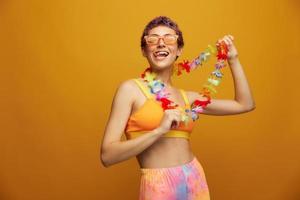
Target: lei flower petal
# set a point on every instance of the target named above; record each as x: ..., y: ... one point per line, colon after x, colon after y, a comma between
x: 156, y: 86
x: 222, y: 51
x: 183, y: 66
x: 162, y: 94
x: 194, y: 116
x: 185, y: 118
x: 210, y: 88
x: 149, y: 76
x: 167, y: 104
x: 201, y: 103
x: 214, y: 82
x: 217, y: 73
x: 146, y: 70
x: 212, y: 49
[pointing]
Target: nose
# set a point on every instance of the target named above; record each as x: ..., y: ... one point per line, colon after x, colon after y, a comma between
x: 161, y: 42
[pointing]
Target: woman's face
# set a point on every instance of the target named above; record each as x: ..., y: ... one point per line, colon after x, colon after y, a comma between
x: 162, y: 54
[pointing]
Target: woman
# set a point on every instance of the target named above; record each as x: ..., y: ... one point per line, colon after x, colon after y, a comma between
x: 158, y: 137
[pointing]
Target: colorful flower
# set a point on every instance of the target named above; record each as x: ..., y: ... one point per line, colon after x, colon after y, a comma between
x: 215, y: 82
x: 162, y: 94
x: 156, y: 86
x: 149, y: 76
x: 217, y: 73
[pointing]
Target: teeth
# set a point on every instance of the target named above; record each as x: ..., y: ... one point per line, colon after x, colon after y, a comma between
x: 161, y: 53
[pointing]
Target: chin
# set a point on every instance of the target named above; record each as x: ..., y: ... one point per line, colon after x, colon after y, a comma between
x: 162, y: 64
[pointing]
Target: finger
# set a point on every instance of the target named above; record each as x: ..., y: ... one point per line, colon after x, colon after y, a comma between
x: 231, y: 43
x: 227, y: 37
x: 179, y: 116
x: 231, y: 37
x: 178, y: 119
x: 177, y: 111
x: 174, y: 112
x: 227, y: 40
x: 171, y: 110
x: 175, y: 117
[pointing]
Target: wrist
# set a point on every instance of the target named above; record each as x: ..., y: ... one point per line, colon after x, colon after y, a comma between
x: 233, y: 61
x: 158, y: 131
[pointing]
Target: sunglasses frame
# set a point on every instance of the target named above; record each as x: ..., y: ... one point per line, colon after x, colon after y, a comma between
x: 160, y: 37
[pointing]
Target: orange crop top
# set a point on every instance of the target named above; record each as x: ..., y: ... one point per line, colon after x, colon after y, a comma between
x: 149, y: 116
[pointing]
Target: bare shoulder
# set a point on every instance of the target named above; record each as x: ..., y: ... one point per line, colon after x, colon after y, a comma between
x: 126, y: 87
x: 126, y: 84
x: 128, y: 90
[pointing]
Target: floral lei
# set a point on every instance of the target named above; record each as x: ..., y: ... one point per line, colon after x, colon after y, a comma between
x: 158, y: 88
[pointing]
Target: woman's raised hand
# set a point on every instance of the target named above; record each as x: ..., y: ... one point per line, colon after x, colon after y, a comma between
x: 232, y: 51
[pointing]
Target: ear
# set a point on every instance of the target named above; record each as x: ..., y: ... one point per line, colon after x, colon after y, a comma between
x: 179, y: 51
x: 144, y: 52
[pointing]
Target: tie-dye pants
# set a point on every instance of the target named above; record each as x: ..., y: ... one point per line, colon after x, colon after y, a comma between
x: 183, y: 182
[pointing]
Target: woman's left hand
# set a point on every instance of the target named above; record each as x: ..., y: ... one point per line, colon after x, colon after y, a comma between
x: 232, y: 52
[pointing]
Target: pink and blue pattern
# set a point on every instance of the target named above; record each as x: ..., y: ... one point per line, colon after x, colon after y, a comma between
x: 183, y: 182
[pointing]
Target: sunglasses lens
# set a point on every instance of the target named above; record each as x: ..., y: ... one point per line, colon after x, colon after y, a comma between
x: 170, y: 39
x: 152, y: 39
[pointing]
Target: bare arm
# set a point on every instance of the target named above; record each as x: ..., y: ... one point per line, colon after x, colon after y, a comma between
x: 113, y: 150
x: 242, y: 102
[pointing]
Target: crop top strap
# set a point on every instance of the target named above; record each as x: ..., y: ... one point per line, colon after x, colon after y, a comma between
x: 186, y: 101
x: 143, y: 88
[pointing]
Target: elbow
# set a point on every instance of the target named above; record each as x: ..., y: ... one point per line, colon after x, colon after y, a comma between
x: 105, y: 161
x: 104, y: 158
x: 108, y: 156
x: 250, y: 107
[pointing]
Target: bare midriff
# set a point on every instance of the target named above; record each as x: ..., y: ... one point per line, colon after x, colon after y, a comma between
x: 166, y: 152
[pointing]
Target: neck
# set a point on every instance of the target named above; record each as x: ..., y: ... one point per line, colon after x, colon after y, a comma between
x: 164, y: 75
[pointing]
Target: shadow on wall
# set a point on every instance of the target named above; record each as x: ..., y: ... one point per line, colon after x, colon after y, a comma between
x: 292, y: 191
x: 3, y: 191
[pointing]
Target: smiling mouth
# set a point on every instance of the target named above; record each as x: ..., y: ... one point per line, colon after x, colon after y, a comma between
x: 161, y: 54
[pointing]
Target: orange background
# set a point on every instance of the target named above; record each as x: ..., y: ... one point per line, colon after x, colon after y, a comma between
x: 61, y: 62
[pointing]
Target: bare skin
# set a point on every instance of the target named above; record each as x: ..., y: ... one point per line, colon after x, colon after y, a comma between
x: 151, y: 149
